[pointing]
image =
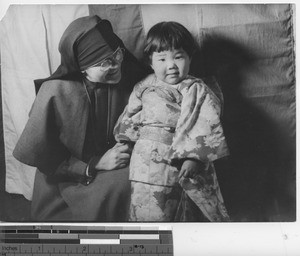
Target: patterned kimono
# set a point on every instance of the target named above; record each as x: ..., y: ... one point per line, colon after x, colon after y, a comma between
x: 171, y: 123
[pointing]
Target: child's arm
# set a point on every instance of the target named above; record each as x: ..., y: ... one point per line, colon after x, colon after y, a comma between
x: 199, y: 134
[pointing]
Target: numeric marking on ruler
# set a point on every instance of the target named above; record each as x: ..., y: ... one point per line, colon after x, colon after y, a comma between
x: 37, y: 249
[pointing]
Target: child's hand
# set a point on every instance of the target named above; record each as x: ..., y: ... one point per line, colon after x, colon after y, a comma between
x: 191, y: 168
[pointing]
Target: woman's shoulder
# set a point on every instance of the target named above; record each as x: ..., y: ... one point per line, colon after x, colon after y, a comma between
x: 60, y: 87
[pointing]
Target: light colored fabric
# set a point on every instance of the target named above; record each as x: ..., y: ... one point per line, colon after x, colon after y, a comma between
x: 153, y: 203
x: 153, y: 14
x: 28, y: 51
x: 199, y: 133
x: 171, y: 123
x: 150, y: 105
x: 22, y: 59
x: 56, y: 18
x: 127, y: 23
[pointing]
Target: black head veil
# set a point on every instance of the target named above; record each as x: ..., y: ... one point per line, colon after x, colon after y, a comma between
x: 78, y: 29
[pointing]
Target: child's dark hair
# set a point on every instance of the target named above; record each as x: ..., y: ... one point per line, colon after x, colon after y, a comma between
x: 166, y: 36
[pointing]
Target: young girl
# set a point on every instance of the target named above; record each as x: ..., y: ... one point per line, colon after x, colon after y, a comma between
x: 174, y: 120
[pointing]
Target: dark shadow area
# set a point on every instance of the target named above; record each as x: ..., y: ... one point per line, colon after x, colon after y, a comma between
x: 258, y: 179
x: 14, y: 208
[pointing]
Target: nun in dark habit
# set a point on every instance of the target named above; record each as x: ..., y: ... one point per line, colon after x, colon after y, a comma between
x: 82, y: 173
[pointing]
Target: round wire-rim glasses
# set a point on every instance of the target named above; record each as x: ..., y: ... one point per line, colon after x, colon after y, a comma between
x: 116, y: 57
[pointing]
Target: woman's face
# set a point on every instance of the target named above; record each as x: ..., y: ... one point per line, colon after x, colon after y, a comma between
x: 107, y: 71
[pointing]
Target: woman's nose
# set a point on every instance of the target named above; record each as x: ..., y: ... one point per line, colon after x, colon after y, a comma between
x: 114, y: 64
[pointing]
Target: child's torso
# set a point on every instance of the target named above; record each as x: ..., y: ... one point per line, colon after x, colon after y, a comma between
x: 159, y: 115
x: 161, y: 104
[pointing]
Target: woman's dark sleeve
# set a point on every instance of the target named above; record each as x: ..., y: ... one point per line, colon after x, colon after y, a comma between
x: 40, y: 145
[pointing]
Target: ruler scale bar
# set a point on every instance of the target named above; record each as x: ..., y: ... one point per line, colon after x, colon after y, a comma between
x: 85, y: 240
x: 87, y: 249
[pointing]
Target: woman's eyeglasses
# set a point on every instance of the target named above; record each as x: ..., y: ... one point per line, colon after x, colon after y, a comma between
x: 116, y: 57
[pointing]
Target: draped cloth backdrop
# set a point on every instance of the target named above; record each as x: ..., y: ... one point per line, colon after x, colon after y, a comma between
x: 248, y: 48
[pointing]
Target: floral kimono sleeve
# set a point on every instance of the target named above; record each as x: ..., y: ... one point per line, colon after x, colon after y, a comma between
x: 127, y: 126
x: 199, y: 133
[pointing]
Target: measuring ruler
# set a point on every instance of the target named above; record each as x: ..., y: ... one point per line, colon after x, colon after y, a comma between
x: 85, y: 241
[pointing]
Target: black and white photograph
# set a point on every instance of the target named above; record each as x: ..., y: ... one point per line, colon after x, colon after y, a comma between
x: 140, y: 113
x: 148, y: 113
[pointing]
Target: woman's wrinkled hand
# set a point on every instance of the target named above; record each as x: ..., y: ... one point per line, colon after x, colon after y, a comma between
x: 115, y: 158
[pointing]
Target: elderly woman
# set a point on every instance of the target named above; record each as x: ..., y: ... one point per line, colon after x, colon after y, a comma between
x: 82, y: 174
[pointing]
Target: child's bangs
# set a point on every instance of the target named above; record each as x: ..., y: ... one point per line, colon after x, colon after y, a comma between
x: 165, y: 43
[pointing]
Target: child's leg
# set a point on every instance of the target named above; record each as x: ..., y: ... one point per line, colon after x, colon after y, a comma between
x: 152, y: 202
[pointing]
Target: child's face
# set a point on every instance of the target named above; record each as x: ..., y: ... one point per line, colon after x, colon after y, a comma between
x: 171, y: 66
